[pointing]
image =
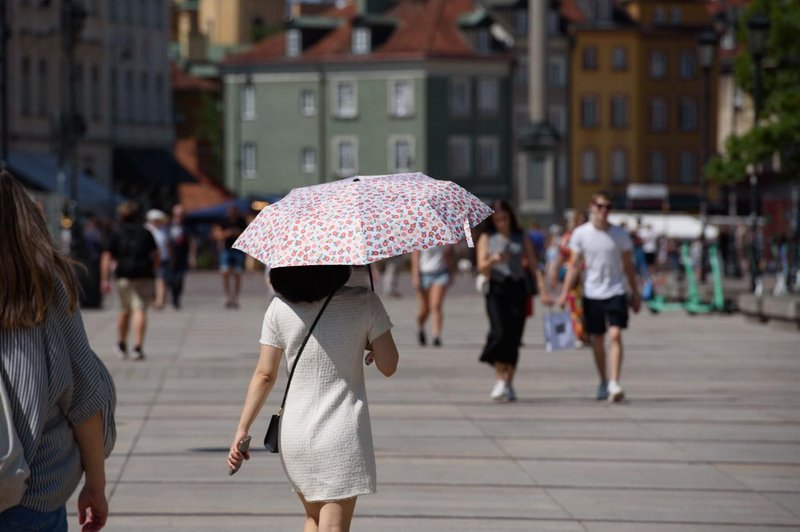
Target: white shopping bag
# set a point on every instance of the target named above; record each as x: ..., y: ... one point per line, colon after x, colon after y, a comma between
x: 558, y: 332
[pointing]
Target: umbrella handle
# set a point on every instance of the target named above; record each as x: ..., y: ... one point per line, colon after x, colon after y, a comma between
x: 369, y: 270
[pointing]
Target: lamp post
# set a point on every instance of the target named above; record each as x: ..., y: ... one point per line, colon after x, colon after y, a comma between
x: 757, y: 35
x: 706, y: 51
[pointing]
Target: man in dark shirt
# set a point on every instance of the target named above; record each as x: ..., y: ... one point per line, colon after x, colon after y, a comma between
x: 231, y: 261
x: 132, y: 256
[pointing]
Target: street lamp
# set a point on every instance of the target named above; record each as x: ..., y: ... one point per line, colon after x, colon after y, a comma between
x: 706, y: 51
x: 757, y: 35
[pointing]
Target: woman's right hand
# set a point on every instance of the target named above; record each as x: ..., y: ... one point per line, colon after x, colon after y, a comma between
x: 235, y: 456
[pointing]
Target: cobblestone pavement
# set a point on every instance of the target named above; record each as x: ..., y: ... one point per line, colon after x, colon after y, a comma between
x: 709, y: 439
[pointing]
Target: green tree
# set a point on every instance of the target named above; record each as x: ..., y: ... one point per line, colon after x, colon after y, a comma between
x: 778, y: 131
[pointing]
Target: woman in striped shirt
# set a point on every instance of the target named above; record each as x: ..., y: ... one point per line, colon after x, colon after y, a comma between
x: 62, y: 396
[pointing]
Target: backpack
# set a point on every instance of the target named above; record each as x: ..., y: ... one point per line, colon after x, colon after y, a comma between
x: 14, y: 471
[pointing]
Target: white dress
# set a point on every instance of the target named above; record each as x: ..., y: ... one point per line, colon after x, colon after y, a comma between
x: 326, y: 438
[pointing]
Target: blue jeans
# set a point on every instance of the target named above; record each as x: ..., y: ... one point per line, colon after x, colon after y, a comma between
x: 21, y: 519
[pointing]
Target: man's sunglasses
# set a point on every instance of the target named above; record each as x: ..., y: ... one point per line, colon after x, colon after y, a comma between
x: 602, y: 205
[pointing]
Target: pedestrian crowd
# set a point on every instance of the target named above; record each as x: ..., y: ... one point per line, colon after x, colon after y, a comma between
x: 59, y: 398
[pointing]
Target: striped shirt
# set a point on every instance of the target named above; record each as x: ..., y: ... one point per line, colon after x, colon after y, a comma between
x: 54, y: 381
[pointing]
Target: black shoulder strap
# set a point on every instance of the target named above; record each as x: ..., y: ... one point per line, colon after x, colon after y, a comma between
x: 300, y: 352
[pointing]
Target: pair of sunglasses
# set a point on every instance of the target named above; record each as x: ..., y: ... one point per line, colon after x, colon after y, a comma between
x: 602, y: 205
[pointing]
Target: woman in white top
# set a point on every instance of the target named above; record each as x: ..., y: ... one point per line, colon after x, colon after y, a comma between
x: 432, y: 272
x: 325, y: 437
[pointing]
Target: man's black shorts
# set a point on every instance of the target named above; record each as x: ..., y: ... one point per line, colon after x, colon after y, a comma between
x: 599, y: 314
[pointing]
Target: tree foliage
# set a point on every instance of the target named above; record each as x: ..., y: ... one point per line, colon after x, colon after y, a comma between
x: 778, y: 131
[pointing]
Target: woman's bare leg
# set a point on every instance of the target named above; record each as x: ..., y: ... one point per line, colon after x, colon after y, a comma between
x: 333, y: 516
x: 436, y: 299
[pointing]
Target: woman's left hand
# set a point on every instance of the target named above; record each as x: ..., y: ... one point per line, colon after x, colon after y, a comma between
x: 546, y: 300
x: 235, y: 456
x: 92, y: 508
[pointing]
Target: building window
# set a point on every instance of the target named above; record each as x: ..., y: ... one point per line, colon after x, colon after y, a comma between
x: 483, y: 41
x: 658, y: 115
x: 361, y: 40
x: 728, y: 40
x: 619, y: 111
x: 660, y: 16
x: 308, y: 161
x: 521, y: 72
x: 536, y: 179
x: 114, y: 94
x: 25, y: 87
x: 129, y: 103
x: 557, y: 72
x: 675, y: 17
x: 144, y: 89
x: 658, y: 167
x: 401, y: 153
x: 658, y: 64
x: 294, y: 43
x: 488, y: 156
x: 346, y: 156
x: 553, y: 22
x: 94, y: 93
x: 604, y: 10
x: 688, y: 64
x: 520, y: 21
x: 619, y: 165
x: 619, y: 58
x: 248, y: 102
x: 401, y: 98
x: 460, y: 97
x: 589, y: 165
x: 159, y: 13
x: 589, y: 58
x: 249, y: 160
x: 42, y: 106
x: 459, y: 156
x: 488, y: 89
x: 558, y: 118
x: 590, y: 112
x: 688, y: 167
x: 345, y: 103
x: 687, y: 115
x: 113, y: 10
x: 162, y: 100
x: 308, y: 103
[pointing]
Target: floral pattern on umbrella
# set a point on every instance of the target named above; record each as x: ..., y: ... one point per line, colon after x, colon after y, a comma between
x: 360, y: 220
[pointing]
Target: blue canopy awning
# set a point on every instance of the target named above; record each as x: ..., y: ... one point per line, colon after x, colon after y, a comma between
x: 220, y: 211
x: 41, y: 171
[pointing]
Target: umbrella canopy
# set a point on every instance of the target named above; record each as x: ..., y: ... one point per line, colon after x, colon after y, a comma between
x: 360, y: 220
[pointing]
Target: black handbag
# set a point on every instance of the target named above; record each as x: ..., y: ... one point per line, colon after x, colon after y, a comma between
x: 273, y: 431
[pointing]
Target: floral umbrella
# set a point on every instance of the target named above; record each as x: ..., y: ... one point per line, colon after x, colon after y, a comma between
x: 360, y: 220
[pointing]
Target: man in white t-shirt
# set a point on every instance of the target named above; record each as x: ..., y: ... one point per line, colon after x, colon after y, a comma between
x: 606, y: 252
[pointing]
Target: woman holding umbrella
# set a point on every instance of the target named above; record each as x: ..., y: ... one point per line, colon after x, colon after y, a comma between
x: 501, y: 249
x: 309, y: 239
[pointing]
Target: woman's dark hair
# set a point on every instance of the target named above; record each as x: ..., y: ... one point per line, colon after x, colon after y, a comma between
x: 308, y: 283
x: 31, y: 264
x: 503, y: 205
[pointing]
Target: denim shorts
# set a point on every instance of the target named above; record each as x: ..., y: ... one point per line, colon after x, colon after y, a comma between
x: 231, y: 259
x: 21, y: 519
x: 426, y: 280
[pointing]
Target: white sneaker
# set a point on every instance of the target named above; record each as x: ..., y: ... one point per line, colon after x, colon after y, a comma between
x: 602, y: 391
x: 615, y: 392
x: 499, y: 391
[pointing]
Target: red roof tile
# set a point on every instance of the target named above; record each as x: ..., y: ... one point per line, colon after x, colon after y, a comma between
x: 182, y: 81
x: 424, y: 29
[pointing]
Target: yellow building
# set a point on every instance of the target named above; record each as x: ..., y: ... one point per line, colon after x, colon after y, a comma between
x: 637, y: 102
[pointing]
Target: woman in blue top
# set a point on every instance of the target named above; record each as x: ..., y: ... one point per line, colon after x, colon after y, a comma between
x: 500, y: 253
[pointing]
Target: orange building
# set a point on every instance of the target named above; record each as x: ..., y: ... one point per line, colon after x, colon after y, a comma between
x: 637, y: 96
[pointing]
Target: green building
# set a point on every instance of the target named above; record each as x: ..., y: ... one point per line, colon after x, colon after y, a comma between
x: 375, y: 87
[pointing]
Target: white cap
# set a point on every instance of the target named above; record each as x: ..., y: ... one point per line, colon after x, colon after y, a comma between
x: 155, y: 215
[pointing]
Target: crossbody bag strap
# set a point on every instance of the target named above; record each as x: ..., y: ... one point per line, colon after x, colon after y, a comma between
x: 300, y: 352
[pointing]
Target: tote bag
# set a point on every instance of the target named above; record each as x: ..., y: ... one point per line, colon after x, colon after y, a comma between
x: 558, y: 332
x: 14, y: 470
